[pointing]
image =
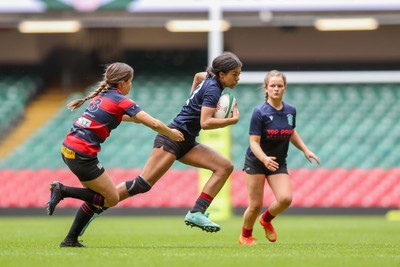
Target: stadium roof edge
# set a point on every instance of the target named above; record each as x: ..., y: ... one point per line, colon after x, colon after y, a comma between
x: 257, y: 77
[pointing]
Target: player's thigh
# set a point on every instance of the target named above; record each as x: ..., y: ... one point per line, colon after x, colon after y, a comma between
x: 157, y: 165
x: 281, y: 185
x: 202, y: 156
x: 104, y: 186
x: 255, y: 188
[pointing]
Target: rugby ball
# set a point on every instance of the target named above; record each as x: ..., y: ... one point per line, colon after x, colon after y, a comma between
x: 225, y: 105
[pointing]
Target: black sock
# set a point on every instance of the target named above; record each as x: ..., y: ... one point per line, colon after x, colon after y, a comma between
x: 84, y: 194
x: 101, y: 210
x: 82, y: 217
x: 137, y: 186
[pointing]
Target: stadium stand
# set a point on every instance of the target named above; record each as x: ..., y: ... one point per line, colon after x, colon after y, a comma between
x: 17, y: 91
x: 39, y: 111
x: 353, y: 128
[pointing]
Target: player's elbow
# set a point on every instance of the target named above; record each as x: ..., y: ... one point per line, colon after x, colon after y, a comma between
x: 206, y: 126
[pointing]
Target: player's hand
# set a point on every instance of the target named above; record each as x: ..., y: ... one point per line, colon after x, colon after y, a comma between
x: 235, y: 113
x: 271, y: 164
x: 310, y: 155
x: 176, y: 135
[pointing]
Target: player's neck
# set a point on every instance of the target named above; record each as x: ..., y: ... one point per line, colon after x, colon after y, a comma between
x: 278, y: 105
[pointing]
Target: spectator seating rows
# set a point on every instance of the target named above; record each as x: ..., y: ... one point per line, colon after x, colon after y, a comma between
x: 353, y: 128
x: 16, y: 92
x: 179, y: 188
x: 347, y: 125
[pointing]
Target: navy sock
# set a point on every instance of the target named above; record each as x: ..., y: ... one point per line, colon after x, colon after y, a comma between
x: 202, y: 203
x: 82, y: 217
x: 84, y: 194
x: 101, y: 210
x: 137, y: 186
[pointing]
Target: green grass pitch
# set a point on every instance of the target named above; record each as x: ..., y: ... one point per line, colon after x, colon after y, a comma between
x: 166, y: 241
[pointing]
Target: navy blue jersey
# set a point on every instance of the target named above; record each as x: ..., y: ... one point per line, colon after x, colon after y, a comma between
x: 103, y: 114
x: 206, y: 94
x: 275, y: 127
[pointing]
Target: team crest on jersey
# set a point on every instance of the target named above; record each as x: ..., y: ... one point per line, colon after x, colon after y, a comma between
x: 271, y: 117
x: 290, y: 119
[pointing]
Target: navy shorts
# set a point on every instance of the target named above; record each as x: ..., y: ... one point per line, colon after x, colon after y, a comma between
x: 257, y: 167
x: 84, y: 167
x: 179, y: 149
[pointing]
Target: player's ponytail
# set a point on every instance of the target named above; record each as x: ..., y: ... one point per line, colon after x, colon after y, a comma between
x: 113, y: 75
x: 76, y: 103
x: 79, y: 102
x: 210, y: 72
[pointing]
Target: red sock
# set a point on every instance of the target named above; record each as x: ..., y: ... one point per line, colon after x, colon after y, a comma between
x: 246, y: 232
x: 202, y: 203
x: 267, y: 216
x: 206, y: 197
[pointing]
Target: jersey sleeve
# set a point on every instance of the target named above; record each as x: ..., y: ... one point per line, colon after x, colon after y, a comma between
x: 256, y: 123
x: 130, y: 107
x: 211, y: 96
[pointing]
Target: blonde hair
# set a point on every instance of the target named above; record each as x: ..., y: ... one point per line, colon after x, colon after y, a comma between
x: 113, y: 75
x: 273, y: 73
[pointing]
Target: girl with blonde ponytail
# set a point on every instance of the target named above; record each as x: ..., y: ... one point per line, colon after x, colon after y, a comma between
x: 108, y: 106
x: 272, y: 129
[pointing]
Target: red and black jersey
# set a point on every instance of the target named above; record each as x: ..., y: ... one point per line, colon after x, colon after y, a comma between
x: 103, y: 114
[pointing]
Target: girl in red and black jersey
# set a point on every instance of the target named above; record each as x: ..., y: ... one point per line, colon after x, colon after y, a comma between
x: 107, y: 108
x: 196, y: 114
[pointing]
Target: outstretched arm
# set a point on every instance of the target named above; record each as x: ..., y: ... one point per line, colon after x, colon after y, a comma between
x: 298, y: 142
x: 155, y: 124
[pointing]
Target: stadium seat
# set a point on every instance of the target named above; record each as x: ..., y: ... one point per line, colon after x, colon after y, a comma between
x: 353, y: 128
x: 339, y: 126
x: 17, y: 91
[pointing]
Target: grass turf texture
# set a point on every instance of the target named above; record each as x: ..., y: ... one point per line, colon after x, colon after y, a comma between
x: 167, y: 241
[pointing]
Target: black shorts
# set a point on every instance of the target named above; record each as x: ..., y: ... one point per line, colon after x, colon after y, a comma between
x: 84, y: 167
x: 257, y: 167
x: 179, y: 149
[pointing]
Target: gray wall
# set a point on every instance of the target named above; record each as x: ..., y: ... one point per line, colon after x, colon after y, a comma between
x: 253, y: 45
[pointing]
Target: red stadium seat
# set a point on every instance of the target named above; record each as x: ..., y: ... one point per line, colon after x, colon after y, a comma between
x: 311, y: 188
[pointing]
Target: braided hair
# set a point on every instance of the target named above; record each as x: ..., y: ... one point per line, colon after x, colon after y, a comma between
x: 113, y: 75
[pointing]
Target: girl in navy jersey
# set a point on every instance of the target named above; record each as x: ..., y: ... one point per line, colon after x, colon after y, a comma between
x: 107, y: 108
x: 196, y: 114
x: 272, y: 126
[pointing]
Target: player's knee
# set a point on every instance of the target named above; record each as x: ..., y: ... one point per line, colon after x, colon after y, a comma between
x: 226, y: 168
x: 229, y: 167
x: 112, y: 200
x: 285, y: 201
x: 255, y: 207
